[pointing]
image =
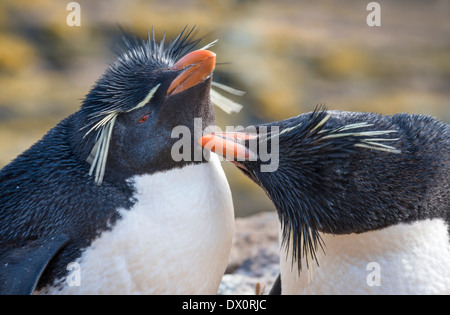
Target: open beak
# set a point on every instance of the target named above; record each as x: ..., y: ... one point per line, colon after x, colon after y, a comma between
x: 230, y: 145
x: 196, y: 67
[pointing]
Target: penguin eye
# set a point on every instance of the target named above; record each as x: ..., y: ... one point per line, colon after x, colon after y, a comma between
x: 144, y: 119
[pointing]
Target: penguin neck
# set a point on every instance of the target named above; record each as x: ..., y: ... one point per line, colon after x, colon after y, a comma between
x: 407, y: 258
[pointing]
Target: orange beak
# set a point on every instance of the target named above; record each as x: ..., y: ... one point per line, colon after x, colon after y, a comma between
x: 196, y: 67
x: 229, y: 145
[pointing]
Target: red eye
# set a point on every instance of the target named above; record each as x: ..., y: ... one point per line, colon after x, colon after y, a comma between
x: 144, y: 119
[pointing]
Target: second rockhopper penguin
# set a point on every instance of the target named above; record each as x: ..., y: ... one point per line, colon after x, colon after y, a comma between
x: 363, y: 199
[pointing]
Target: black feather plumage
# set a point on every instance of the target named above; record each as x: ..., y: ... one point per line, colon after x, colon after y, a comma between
x: 345, y: 172
x: 129, y: 80
x: 46, y: 192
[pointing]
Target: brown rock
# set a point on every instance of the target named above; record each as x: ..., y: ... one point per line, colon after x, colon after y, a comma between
x: 254, y: 259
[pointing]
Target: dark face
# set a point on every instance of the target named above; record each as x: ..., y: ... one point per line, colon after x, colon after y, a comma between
x: 142, y: 140
x: 125, y: 125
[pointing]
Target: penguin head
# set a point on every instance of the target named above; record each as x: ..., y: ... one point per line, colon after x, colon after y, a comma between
x: 320, y: 169
x: 272, y: 155
x: 125, y: 124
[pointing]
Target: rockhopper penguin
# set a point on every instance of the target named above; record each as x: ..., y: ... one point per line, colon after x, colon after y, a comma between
x: 363, y: 199
x: 101, y: 189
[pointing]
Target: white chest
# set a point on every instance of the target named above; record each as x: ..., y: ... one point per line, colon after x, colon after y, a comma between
x: 403, y: 259
x: 175, y: 240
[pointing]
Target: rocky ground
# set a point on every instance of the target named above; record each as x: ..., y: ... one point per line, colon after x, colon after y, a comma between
x: 254, y: 259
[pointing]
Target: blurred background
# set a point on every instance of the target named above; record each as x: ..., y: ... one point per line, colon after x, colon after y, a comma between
x: 289, y: 55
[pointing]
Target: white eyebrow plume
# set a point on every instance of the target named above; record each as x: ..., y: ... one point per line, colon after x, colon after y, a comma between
x: 209, y: 45
x: 146, y: 99
x: 99, y: 153
x: 224, y: 103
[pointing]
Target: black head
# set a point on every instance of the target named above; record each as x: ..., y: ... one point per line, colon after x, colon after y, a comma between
x: 126, y: 121
x: 342, y: 172
x: 283, y: 159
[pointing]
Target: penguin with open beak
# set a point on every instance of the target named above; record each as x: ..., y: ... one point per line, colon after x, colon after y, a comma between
x: 363, y: 199
x: 99, y: 206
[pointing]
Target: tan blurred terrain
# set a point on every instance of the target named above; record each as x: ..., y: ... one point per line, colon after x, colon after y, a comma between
x: 289, y: 56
